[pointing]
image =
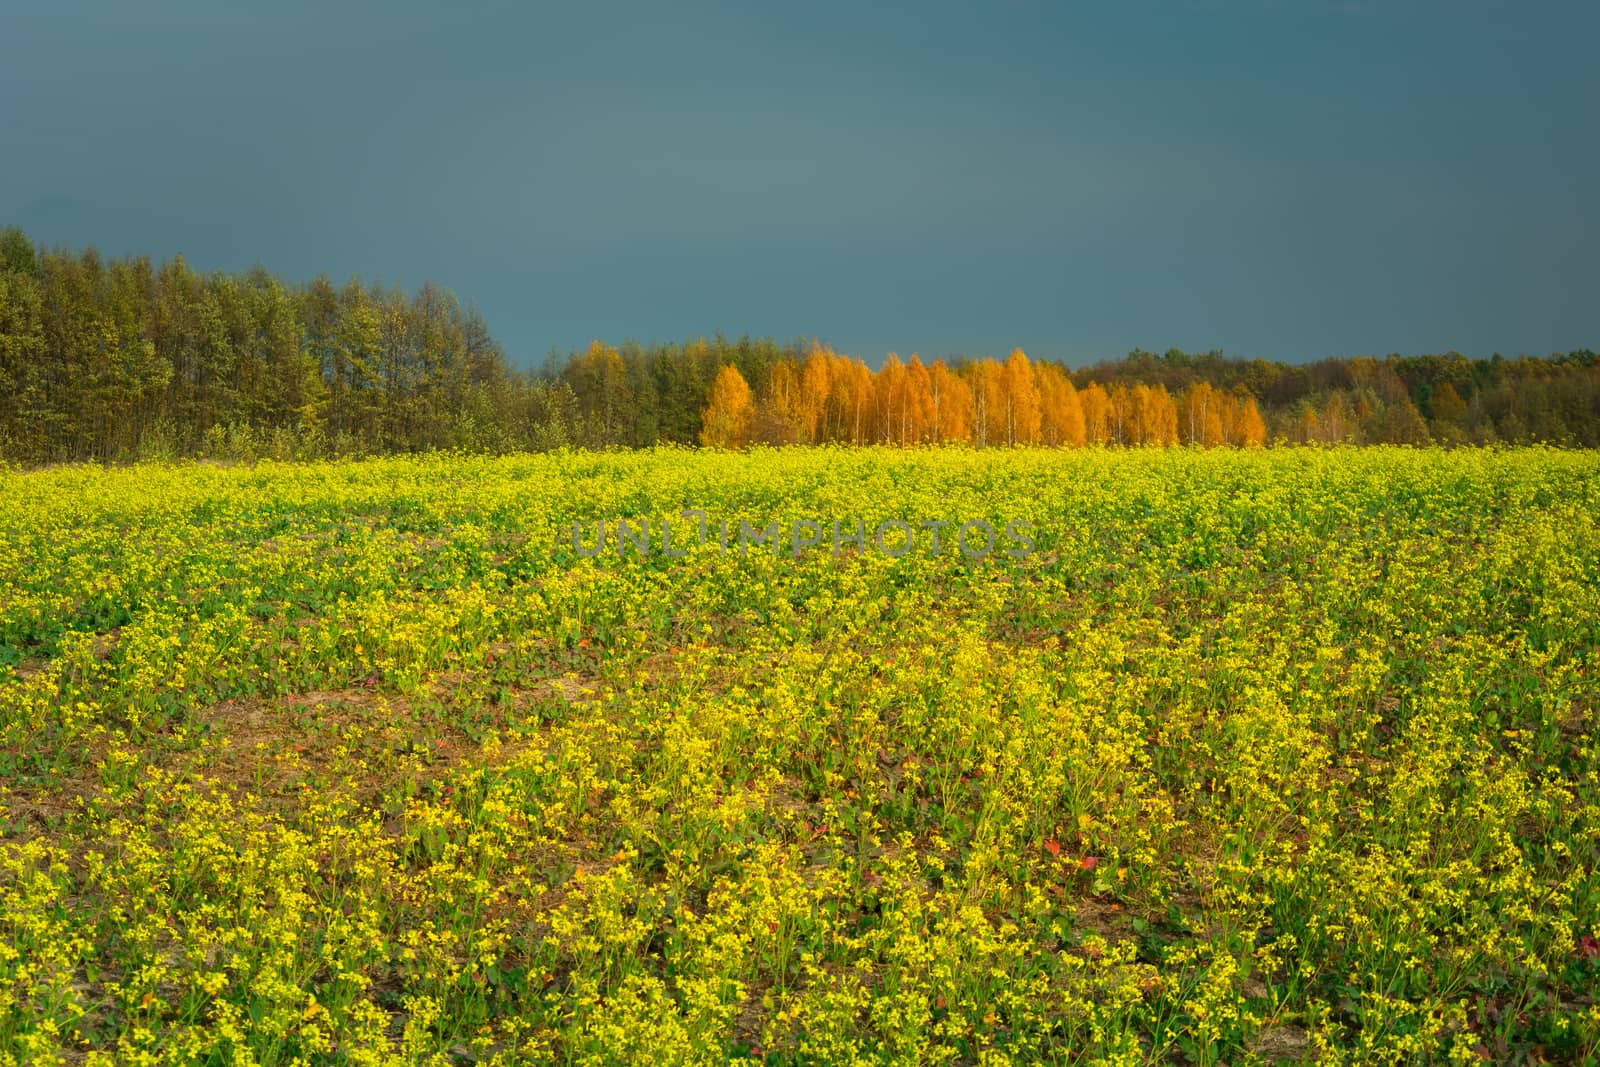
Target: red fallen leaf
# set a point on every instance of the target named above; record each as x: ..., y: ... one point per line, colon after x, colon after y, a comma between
x: 938, y: 1002
x: 1588, y: 947
x: 1089, y: 863
x: 1052, y: 846
x: 583, y: 642
x: 1482, y: 1051
x: 772, y: 927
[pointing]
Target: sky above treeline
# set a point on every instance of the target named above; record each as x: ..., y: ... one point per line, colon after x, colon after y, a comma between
x: 1289, y: 180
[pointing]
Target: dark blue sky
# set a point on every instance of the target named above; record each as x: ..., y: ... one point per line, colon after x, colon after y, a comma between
x: 1282, y: 179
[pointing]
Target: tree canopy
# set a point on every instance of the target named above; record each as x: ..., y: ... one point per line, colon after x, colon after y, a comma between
x: 122, y: 359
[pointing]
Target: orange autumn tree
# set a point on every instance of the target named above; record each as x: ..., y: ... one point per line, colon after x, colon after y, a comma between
x: 1248, y: 428
x: 1154, y: 416
x: 1060, y: 411
x: 1121, y: 411
x: 902, y: 402
x: 779, y: 415
x: 1242, y: 424
x: 1096, y: 404
x: 1200, y: 415
x: 725, y: 423
x: 951, y: 400
x: 987, y: 382
x: 888, y: 401
x: 1021, y: 400
x: 917, y: 419
x: 858, y: 392
x: 815, y: 386
x: 844, y: 392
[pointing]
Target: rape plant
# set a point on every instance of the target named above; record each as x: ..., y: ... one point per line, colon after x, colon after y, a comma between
x: 1264, y: 756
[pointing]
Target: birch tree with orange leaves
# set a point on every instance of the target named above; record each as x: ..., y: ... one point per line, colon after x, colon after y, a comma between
x: 1154, y: 416
x: 725, y: 423
x: 815, y: 387
x: 917, y: 426
x: 854, y: 388
x: 1200, y: 415
x: 987, y: 382
x: 888, y: 400
x: 1096, y: 404
x: 952, y: 404
x: 1249, y: 429
x: 1060, y: 412
x: 779, y: 417
x: 1021, y: 400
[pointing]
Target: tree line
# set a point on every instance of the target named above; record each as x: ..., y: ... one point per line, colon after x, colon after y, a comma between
x: 125, y: 359
x: 829, y: 397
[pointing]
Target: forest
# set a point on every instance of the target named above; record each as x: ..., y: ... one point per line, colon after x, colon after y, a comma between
x: 126, y: 359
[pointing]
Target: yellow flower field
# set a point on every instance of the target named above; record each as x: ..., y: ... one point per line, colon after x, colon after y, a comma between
x: 1283, y: 755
